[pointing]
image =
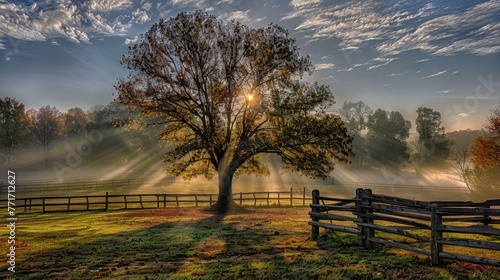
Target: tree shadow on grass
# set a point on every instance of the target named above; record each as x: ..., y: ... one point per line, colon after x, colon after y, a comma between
x: 205, y: 247
x: 191, y: 244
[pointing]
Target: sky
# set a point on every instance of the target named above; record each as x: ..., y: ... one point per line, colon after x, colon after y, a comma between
x: 393, y: 55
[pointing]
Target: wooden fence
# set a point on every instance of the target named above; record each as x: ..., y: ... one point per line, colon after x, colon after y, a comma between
x: 81, y: 184
x: 436, y: 229
x: 130, y: 201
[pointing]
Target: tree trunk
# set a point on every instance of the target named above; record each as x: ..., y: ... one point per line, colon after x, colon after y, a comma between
x: 225, y: 198
x: 225, y: 203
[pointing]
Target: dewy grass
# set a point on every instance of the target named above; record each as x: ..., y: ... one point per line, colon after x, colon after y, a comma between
x: 189, y: 243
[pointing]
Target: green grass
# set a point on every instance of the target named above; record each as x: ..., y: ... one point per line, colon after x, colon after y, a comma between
x: 190, y: 243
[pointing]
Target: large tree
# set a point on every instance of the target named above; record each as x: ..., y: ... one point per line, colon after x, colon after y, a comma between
x: 46, y: 125
x: 74, y: 121
x: 480, y: 167
x: 432, y: 134
x: 227, y: 93
x: 14, y: 127
x: 486, y: 150
x: 386, y: 138
x: 356, y: 114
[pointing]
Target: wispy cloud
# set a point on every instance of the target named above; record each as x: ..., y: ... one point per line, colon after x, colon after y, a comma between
x: 322, y: 66
x: 132, y: 40
x: 346, y: 70
x: 302, y: 3
x: 469, y: 31
x: 466, y: 114
x: 444, y: 91
x: 380, y: 61
x: 238, y: 16
x: 422, y: 60
x: 140, y: 16
x: 435, y: 74
x: 188, y: 3
x: 75, y: 21
x: 394, y: 29
x: 108, y: 5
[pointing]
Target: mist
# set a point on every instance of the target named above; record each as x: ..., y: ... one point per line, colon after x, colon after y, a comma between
x: 108, y: 154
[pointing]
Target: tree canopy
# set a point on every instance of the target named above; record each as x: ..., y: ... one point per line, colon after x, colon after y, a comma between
x: 74, y: 121
x: 356, y: 114
x: 482, y: 175
x: 432, y: 134
x: 14, y: 127
x: 226, y: 93
x: 46, y: 124
x: 387, y: 134
x: 486, y: 149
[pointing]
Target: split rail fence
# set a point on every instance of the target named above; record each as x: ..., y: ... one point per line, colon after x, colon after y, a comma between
x: 146, y: 201
x: 437, y: 229
x: 81, y: 184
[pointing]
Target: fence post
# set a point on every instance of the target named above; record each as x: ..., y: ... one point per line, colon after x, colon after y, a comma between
x: 88, y: 204
x: 367, y: 209
x: 196, y: 199
x: 436, y: 221
x: 315, y: 200
x: 241, y: 198
x: 304, y: 197
x: 43, y: 205
x: 106, y: 202
x: 164, y: 200
x: 361, y: 234
x: 177, y: 200
x: 291, y: 196
x: 487, y: 218
x: 125, y: 198
x: 210, y: 199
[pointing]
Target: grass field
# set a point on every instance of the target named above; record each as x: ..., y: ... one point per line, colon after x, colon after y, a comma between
x: 189, y: 243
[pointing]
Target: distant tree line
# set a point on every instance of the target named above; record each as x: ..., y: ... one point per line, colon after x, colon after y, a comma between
x: 386, y: 138
x: 475, y: 153
x: 43, y: 127
x: 379, y: 137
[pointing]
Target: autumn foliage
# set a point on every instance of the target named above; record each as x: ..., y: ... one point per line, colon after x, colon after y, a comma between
x: 486, y: 150
x: 484, y: 176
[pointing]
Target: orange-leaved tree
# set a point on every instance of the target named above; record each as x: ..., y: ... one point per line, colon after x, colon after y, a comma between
x: 226, y: 93
x: 485, y: 151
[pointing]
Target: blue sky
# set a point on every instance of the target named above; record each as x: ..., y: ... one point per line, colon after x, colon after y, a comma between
x: 394, y: 55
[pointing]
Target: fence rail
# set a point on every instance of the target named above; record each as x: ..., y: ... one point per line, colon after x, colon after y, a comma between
x: 130, y: 201
x: 80, y: 183
x: 430, y: 226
